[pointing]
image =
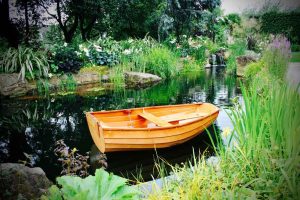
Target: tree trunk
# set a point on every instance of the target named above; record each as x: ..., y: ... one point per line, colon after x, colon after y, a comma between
x: 26, y: 23
x: 8, y: 30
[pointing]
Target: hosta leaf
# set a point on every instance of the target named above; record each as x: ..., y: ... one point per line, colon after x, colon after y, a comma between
x: 101, y: 186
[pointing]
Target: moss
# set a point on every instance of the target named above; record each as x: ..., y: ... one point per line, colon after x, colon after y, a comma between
x: 94, y: 68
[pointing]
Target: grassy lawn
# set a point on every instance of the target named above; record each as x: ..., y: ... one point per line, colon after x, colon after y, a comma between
x: 295, y: 57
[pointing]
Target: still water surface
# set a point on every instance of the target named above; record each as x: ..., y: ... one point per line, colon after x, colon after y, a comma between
x: 33, y: 126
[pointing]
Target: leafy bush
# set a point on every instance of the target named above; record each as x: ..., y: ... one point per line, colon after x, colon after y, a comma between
x: 295, y: 47
x: 160, y: 61
x: 282, y: 23
x: 99, y: 56
x: 26, y: 61
x: 67, y: 59
x: 100, y: 186
x: 234, y: 18
x: 253, y: 68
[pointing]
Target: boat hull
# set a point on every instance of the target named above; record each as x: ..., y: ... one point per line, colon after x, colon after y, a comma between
x: 110, y: 139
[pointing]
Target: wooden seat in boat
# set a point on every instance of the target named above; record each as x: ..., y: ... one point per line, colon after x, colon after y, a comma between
x: 156, y: 120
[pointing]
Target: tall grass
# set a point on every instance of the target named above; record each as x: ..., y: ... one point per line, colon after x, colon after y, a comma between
x: 160, y: 61
x: 262, y: 160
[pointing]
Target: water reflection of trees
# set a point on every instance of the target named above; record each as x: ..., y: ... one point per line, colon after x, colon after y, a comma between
x: 34, y: 126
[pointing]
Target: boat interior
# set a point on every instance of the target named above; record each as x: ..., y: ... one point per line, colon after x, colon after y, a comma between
x: 150, y: 117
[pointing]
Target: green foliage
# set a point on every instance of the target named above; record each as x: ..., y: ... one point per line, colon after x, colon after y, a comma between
x: 189, y: 18
x: 68, y: 84
x: 25, y: 61
x: 101, y: 186
x: 67, y: 59
x: 277, y: 56
x: 4, y: 45
x: 94, y: 68
x: 295, y: 57
x: 282, y: 23
x: 192, y: 66
x: 236, y: 49
x: 253, y: 69
x: 234, y: 18
x: 43, y: 87
x: 160, y: 61
x: 200, y: 54
x: 262, y: 157
x: 295, y: 47
x: 134, y: 18
x: 52, y: 36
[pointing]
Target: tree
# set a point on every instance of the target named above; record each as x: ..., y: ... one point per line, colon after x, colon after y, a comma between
x: 64, y: 15
x: 8, y: 29
x: 29, y: 10
x: 188, y: 15
x: 134, y: 18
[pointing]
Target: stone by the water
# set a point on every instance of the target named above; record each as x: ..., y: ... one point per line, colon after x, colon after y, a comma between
x: 21, y: 182
x: 140, y: 80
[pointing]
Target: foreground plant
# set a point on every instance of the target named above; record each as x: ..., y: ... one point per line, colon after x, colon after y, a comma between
x: 73, y: 163
x: 101, y: 186
x: 262, y: 158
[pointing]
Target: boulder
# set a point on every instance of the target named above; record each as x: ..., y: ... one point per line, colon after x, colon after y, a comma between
x: 11, y: 85
x: 242, y: 62
x: 21, y: 182
x: 83, y: 78
x: 140, y: 80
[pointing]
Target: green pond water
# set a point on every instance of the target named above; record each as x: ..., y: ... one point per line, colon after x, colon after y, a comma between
x: 33, y: 126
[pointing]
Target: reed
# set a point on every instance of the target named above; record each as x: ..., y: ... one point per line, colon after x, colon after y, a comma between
x: 262, y: 158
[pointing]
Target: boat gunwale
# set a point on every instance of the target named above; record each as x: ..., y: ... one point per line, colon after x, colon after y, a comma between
x: 153, y: 128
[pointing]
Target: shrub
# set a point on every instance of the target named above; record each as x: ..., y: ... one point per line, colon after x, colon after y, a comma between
x: 99, y: 56
x: 234, y: 18
x: 26, y: 61
x: 67, y: 59
x: 253, y: 68
x: 160, y: 61
x: 282, y: 23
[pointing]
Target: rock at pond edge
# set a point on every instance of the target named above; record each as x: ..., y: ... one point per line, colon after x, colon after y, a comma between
x: 19, y: 181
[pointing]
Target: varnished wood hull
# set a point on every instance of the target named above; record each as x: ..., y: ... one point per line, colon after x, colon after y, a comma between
x: 126, y: 130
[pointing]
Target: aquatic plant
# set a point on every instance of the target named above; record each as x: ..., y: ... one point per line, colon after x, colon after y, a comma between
x: 101, y: 186
x: 25, y: 61
x: 160, y: 61
x: 261, y: 159
x: 68, y: 84
x: 72, y: 162
x: 43, y: 86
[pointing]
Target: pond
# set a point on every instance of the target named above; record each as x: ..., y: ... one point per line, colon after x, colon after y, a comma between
x: 33, y: 126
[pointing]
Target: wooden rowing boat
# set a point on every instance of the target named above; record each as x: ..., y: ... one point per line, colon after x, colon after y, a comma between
x: 149, y: 127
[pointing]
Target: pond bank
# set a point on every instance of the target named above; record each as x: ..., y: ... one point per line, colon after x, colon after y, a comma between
x: 12, y: 86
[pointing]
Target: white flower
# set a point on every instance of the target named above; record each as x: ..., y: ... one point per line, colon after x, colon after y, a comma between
x: 173, y: 41
x: 127, y: 51
x: 65, y: 44
x: 50, y: 75
x: 98, y: 48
